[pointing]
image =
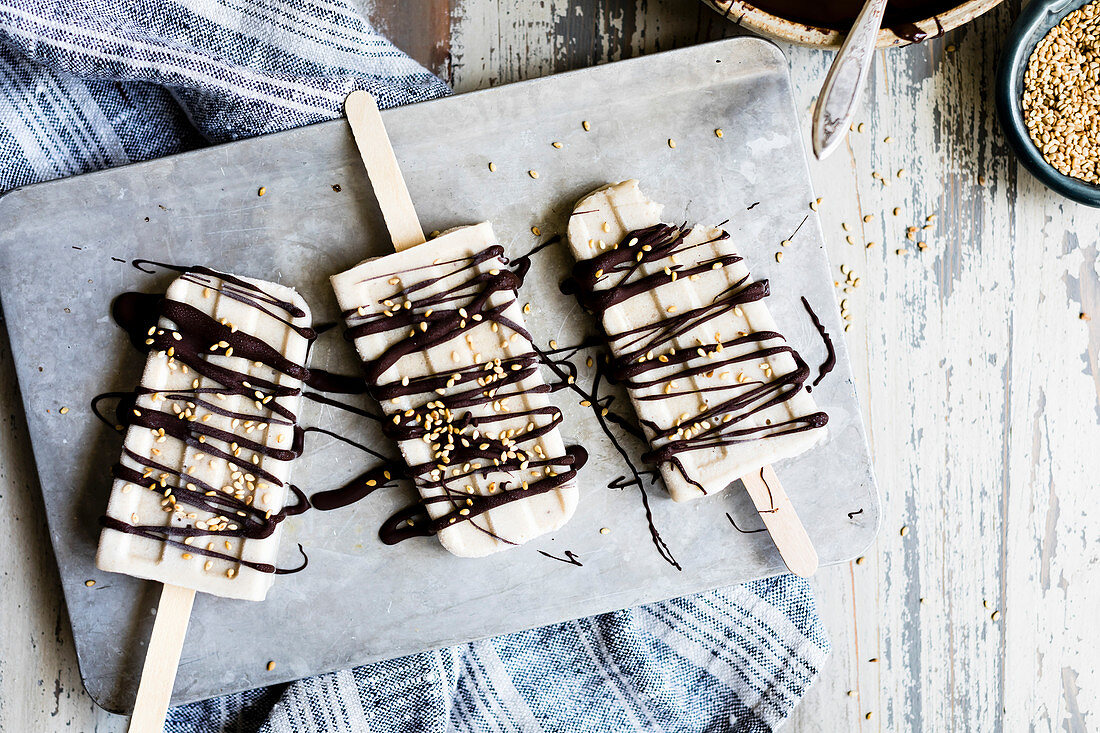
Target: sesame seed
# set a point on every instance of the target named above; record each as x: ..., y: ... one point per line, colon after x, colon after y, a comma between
x: 1060, y: 101
x: 604, y: 530
x: 270, y: 666
x: 262, y: 191
x: 586, y: 126
x: 556, y: 145
x: 671, y: 143
x: 718, y: 132
x: 492, y: 167
x: 63, y: 410
x: 533, y: 173
x: 89, y: 583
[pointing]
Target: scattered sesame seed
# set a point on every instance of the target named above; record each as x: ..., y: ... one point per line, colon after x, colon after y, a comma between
x: 778, y: 256
x: 556, y: 145
x: 536, y: 231
x: 262, y: 191
x: 860, y: 127
x: 860, y: 560
x: 868, y: 218
x: 904, y: 530
x: 533, y: 174
x: 897, y: 210
x: 671, y: 143
x: 604, y: 530
x: 63, y: 410
x: 89, y: 583
x: 270, y: 666
x: 492, y: 167
x: 586, y: 126
x: 718, y: 132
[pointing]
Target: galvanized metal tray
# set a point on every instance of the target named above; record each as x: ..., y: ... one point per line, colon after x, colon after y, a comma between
x: 66, y: 252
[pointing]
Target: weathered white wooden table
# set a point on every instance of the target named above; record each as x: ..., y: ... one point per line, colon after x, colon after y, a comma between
x: 977, y: 362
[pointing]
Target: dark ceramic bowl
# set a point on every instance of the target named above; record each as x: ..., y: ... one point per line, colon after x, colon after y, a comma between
x: 1038, y: 17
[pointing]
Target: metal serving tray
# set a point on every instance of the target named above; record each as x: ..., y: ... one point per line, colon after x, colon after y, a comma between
x: 65, y: 253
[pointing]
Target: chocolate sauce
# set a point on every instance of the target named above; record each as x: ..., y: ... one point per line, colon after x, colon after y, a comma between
x: 839, y: 14
x: 744, y: 531
x: 644, y: 356
x: 830, y: 352
x: 569, y: 559
x: 192, y: 338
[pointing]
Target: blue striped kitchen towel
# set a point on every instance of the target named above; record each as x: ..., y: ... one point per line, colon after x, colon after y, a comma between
x: 98, y: 83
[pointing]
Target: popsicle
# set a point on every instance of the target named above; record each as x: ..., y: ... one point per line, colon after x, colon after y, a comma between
x: 201, y: 487
x: 449, y: 359
x: 717, y: 389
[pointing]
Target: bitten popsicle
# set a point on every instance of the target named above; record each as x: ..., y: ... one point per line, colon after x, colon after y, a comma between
x: 716, y: 388
x: 449, y: 359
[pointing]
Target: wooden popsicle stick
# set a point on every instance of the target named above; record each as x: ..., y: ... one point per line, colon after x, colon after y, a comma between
x: 383, y: 170
x: 782, y: 522
x: 161, y: 659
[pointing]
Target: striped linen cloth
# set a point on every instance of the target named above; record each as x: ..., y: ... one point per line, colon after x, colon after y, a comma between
x: 98, y: 83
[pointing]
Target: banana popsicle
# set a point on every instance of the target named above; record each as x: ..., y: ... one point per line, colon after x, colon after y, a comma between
x: 450, y: 361
x: 717, y: 389
x: 201, y: 487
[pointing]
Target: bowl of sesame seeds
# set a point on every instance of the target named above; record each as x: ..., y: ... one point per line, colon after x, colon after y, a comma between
x: 1048, y: 95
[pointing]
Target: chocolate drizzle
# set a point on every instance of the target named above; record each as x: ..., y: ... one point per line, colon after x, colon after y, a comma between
x: 647, y: 360
x: 570, y: 558
x: 174, y: 414
x: 447, y: 408
x: 830, y: 352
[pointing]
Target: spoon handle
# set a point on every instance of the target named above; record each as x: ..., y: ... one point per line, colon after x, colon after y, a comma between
x: 836, y: 105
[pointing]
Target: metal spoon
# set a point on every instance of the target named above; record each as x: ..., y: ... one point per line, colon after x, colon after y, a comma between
x: 836, y: 105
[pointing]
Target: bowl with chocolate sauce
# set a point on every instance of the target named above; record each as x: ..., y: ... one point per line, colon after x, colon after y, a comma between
x: 823, y: 22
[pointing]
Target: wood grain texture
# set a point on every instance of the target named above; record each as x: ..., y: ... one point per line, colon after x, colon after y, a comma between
x: 979, y: 380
